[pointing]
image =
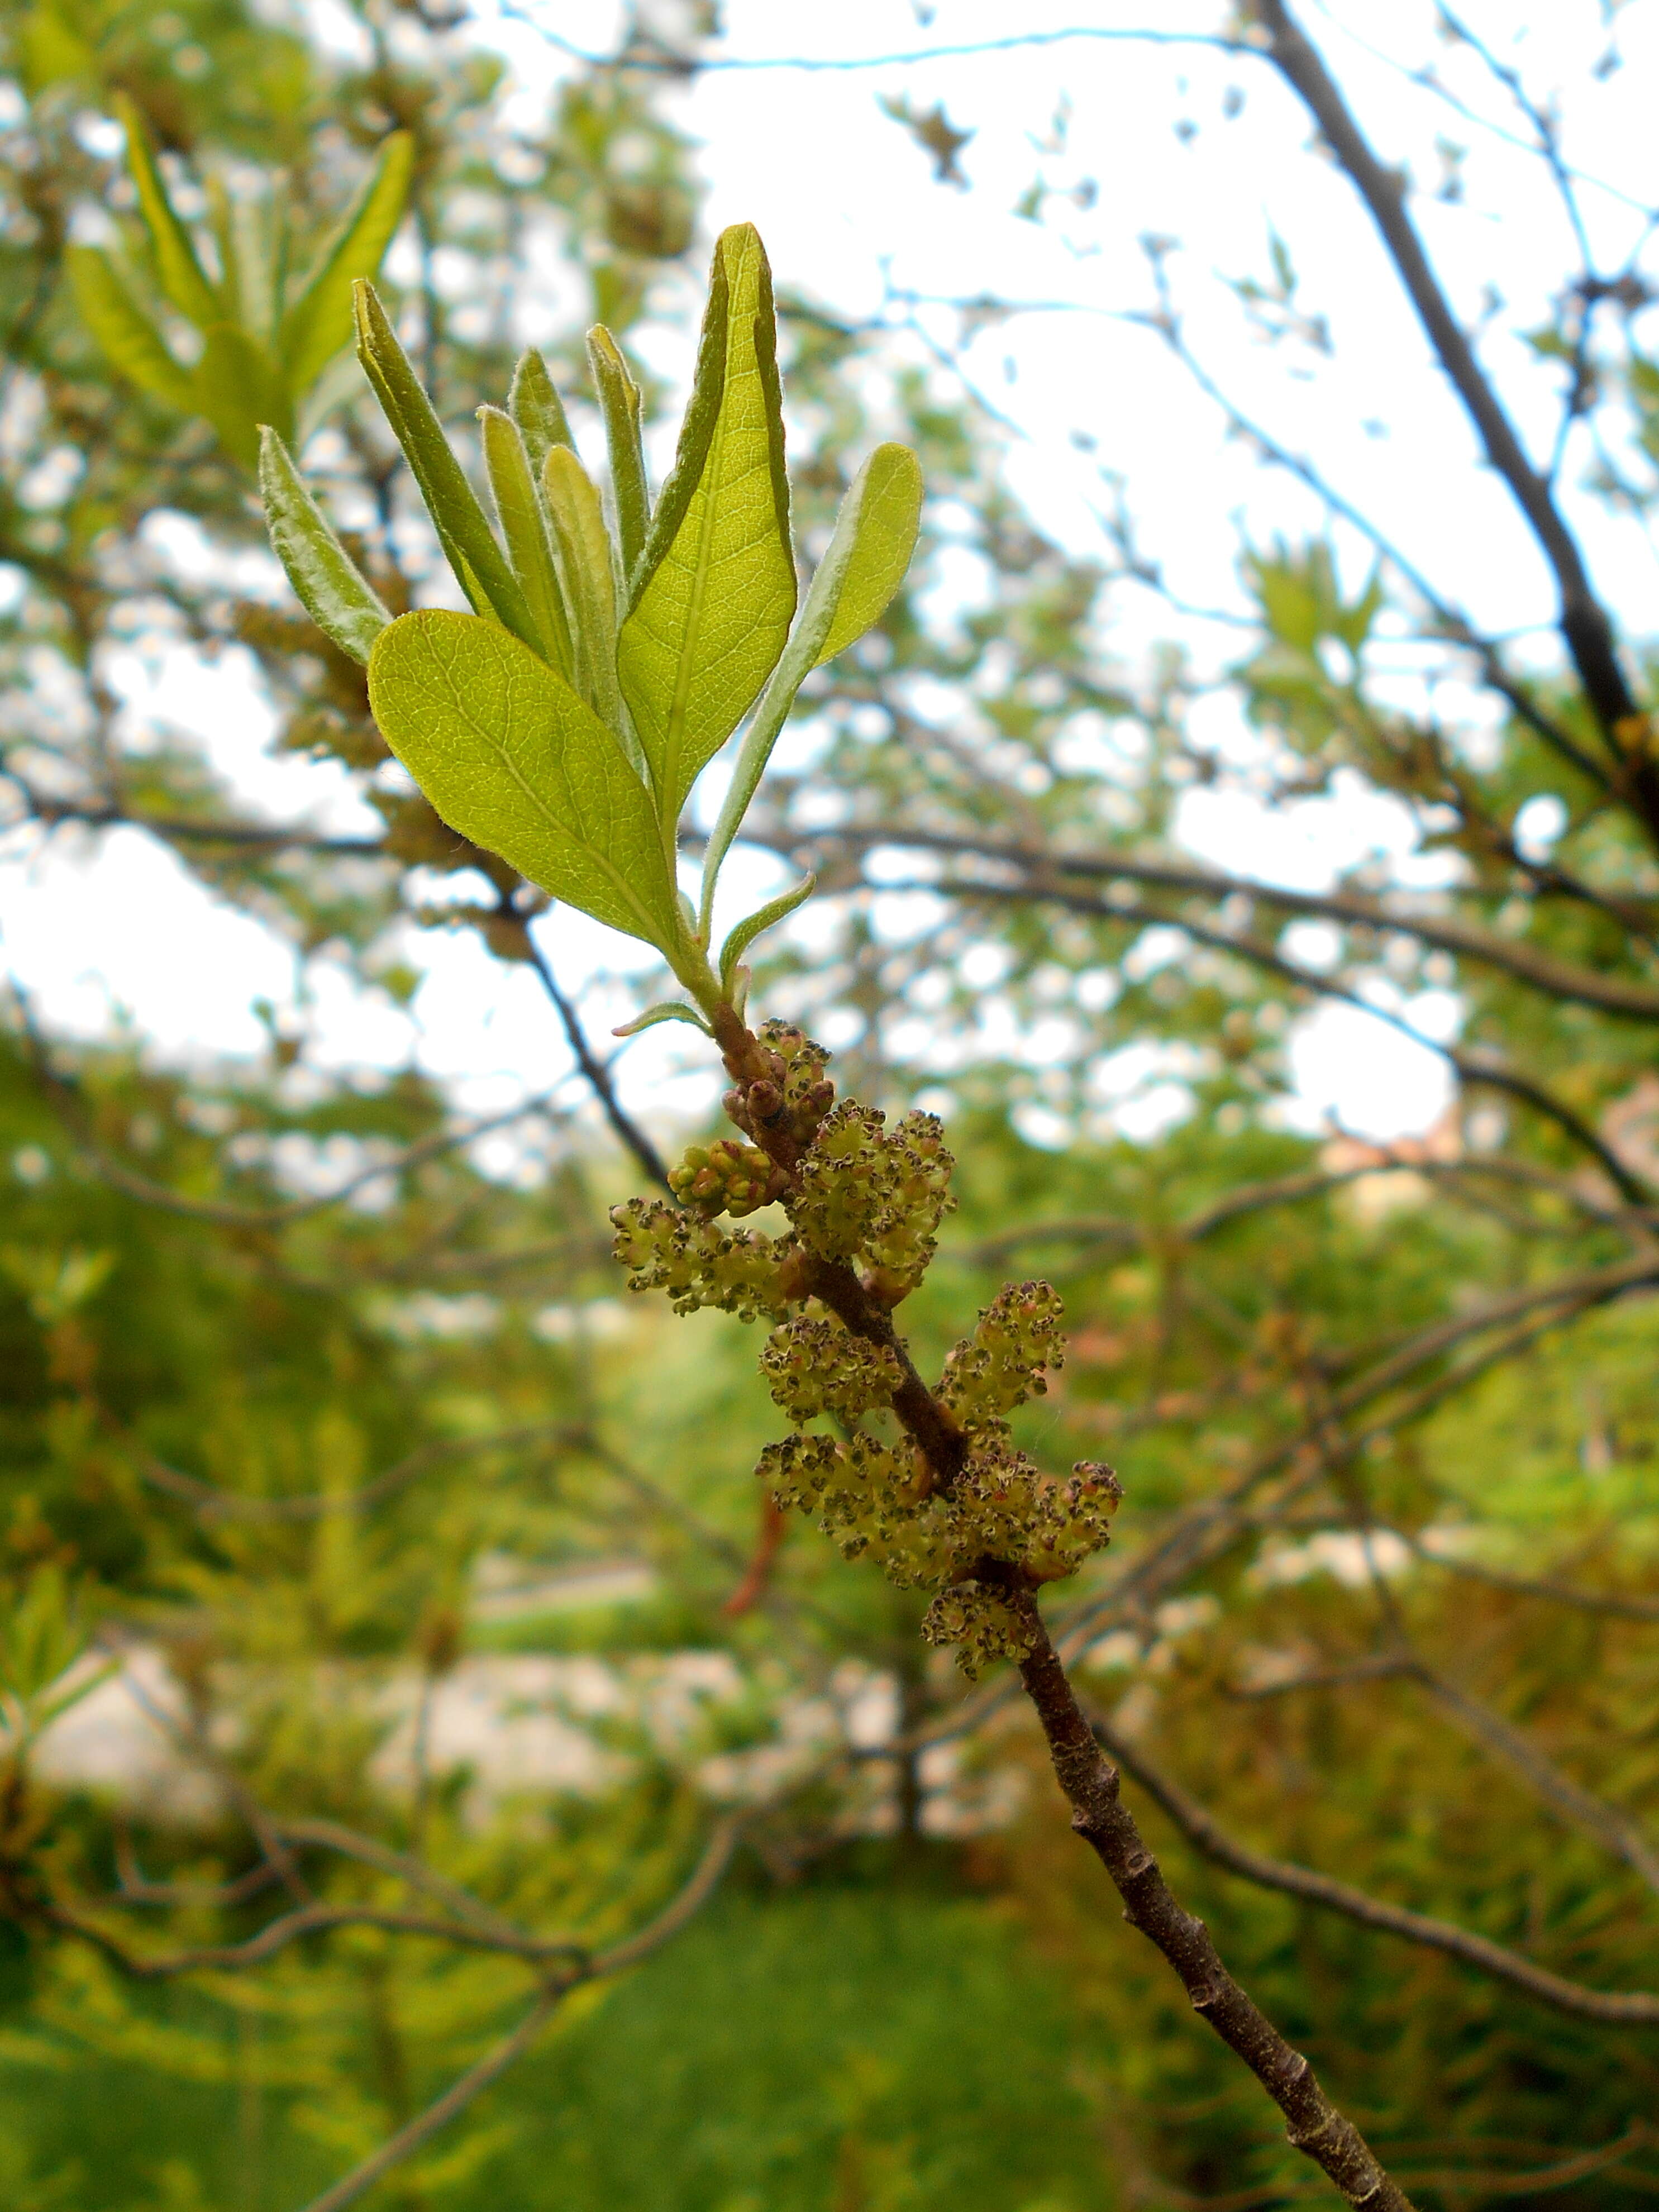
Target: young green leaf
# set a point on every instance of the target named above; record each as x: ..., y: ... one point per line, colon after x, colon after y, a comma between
x: 620, y: 405
x: 712, y: 595
x: 864, y: 566
x: 511, y: 758
x: 746, y: 932
x: 524, y: 526
x: 318, y: 324
x: 463, y: 529
x: 326, y: 582
x: 134, y: 345
x: 179, y: 272
x: 583, y: 546
x: 535, y: 406
x: 875, y: 536
x: 238, y: 386
x: 670, y: 1009
x: 233, y: 289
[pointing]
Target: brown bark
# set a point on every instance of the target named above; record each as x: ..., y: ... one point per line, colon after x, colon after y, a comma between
x: 1089, y: 1781
x: 1105, y: 1824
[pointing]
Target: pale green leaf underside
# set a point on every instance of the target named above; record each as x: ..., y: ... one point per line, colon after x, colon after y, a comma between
x: 668, y: 1010
x: 326, y: 580
x: 763, y: 919
x: 711, y: 619
x: 888, y: 517
x: 510, y: 757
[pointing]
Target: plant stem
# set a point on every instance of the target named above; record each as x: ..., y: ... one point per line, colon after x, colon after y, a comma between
x: 1105, y: 1824
x: 1087, y: 1778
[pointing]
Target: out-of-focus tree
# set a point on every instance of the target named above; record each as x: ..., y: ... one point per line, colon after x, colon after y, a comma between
x: 1384, y: 1581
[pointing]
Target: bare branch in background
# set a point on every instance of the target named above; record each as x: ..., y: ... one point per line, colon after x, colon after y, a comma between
x: 1585, y: 625
x: 1626, y: 2008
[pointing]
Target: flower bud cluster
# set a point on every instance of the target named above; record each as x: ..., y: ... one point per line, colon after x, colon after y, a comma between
x: 1001, y: 1364
x: 738, y: 1270
x: 875, y: 1503
x: 725, y: 1178
x: 814, y: 1367
x: 792, y: 1099
x: 866, y: 1191
x: 859, y: 1193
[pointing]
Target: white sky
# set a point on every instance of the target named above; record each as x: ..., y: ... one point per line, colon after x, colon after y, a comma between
x: 851, y: 214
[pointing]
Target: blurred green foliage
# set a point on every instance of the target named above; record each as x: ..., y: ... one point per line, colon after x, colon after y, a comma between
x: 315, y: 1464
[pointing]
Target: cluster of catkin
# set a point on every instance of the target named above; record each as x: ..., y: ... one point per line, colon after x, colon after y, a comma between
x: 864, y: 1203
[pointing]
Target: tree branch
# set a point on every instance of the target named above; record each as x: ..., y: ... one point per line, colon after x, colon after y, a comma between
x: 1485, y: 1073
x: 1584, y: 622
x: 1316, y: 2127
x: 1623, y: 2007
x: 438, y: 2115
x: 1608, y: 1825
x: 1291, y: 1190
x: 1044, y: 867
x: 1090, y: 1784
x: 455, y: 2099
x: 599, y: 1075
x: 1621, y: 1605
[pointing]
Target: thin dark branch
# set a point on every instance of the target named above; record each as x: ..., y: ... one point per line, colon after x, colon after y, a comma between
x: 438, y: 2115
x: 599, y: 1075
x: 1043, y: 866
x: 1485, y: 1073
x: 1460, y: 2183
x: 64, y: 1096
x: 1455, y: 625
x: 1609, y: 1824
x: 215, y: 1503
x: 668, y: 1924
x: 1620, y: 1604
x: 1204, y: 1532
x: 1291, y: 1190
x: 1205, y: 1834
x: 332, y: 1836
x: 637, y: 56
x: 309, y: 1919
x: 1548, y: 138
x: 262, y: 836
x: 1584, y: 623
x: 1099, y: 1815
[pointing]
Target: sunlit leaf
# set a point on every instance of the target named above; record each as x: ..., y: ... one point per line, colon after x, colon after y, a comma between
x: 620, y: 405
x: 669, y: 1009
x: 747, y: 931
x: 463, y: 528
x: 318, y: 324
x: 178, y: 269
x: 326, y: 582
x: 866, y: 563
x: 513, y: 759
x: 524, y: 526
x: 535, y: 406
x: 132, y: 341
x: 712, y: 597
x: 875, y: 536
x: 583, y: 546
